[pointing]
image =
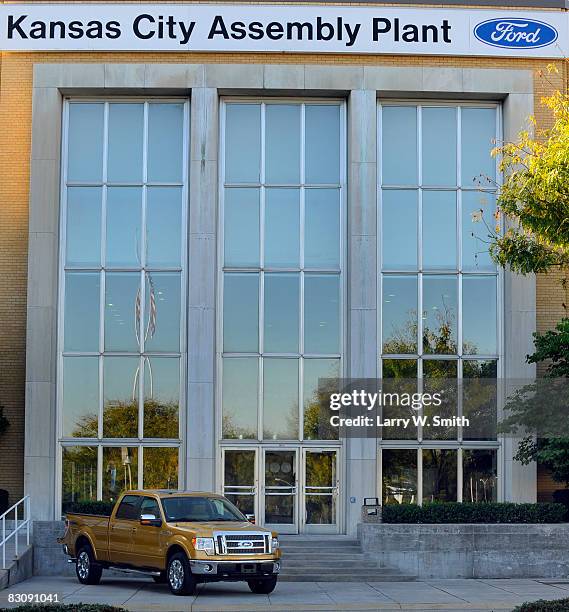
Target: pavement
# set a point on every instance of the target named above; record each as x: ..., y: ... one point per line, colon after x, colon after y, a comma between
x: 142, y: 594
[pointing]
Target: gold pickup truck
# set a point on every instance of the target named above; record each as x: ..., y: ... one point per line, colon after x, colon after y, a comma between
x: 177, y: 537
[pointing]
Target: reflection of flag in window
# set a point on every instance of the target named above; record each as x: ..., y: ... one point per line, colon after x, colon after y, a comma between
x: 150, y: 330
x: 151, y: 327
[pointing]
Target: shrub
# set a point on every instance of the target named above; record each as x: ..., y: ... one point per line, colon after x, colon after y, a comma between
x: 80, y: 607
x: 100, y: 508
x: 473, y: 513
x: 543, y: 605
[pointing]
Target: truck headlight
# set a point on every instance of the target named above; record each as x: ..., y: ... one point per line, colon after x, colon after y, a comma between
x: 274, y: 544
x: 205, y: 544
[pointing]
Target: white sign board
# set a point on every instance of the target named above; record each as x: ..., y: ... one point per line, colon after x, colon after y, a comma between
x: 254, y: 28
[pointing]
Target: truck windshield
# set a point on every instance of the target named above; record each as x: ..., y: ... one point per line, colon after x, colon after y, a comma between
x: 200, y: 509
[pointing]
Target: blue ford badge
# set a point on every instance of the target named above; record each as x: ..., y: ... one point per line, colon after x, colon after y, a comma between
x: 515, y: 33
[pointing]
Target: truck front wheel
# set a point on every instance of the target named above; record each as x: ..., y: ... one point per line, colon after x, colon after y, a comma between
x: 179, y: 575
x: 263, y: 587
x: 87, y: 570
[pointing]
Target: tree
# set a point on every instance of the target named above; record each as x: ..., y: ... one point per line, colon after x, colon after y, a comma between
x: 535, y: 196
x: 543, y: 408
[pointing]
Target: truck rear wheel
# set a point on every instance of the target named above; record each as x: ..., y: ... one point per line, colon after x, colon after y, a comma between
x: 179, y: 575
x: 264, y: 586
x: 87, y: 570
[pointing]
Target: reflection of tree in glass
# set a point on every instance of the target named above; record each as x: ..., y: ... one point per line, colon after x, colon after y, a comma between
x: 399, y: 476
x: 236, y: 432
x: 317, y: 414
x: 160, y: 468
x: 480, y: 479
x: 289, y: 431
x: 79, y: 473
x: 439, y: 475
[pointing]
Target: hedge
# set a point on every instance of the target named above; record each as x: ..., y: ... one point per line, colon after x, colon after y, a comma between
x: 543, y: 605
x: 474, y: 513
x: 79, y: 607
x: 100, y: 508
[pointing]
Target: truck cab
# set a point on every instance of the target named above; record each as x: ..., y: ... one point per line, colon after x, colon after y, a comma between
x: 181, y: 538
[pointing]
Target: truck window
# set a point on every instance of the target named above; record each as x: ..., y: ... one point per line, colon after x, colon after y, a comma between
x: 128, y: 510
x: 149, y: 506
x: 192, y: 509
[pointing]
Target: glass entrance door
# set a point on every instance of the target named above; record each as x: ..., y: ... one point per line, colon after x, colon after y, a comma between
x: 240, y: 480
x: 320, y: 490
x: 280, y: 493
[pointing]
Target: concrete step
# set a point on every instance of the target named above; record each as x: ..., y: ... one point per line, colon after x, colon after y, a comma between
x: 328, y: 554
x: 378, y: 576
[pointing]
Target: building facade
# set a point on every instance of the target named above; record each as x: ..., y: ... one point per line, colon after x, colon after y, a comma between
x: 190, y: 240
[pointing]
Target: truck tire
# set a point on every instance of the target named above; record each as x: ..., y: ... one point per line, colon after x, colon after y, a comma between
x: 263, y: 586
x: 179, y: 576
x: 160, y: 579
x: 86, y: 568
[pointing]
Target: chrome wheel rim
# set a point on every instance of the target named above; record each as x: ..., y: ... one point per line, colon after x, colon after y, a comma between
x: 176, y: 574
x: 83, y: 563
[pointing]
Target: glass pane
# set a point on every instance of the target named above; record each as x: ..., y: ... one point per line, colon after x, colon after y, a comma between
x: 479, y: 301
x: 164, y: 226
x: 165, y: 142
x: 82, y: 301
x: 282, y: 228
x: 399, y: 315
x: 480, y: 399
x: 440, y: 376
x: 439, y: 314
x: 399, y: 476
x: 120, y: 471
x: 322, y: 148
x: 80, y: 397
x: 243, y: 143
x: 322, y: 228
x: 241, y: 227
x: 281, y: 313
x: 399, y: 229
x: 439, y: 229
x: 439, y: 145
x: 124, y: 221
x: 83, y: 235
x: 240, y: 397
x: 162, y: 312
x: 478, y: 140
x: 399, y: 145
x: 439, y: 475
x: 85, y: 142
x: 239, y: 479
x: 280, y: 478
x: 321, y: 314
x: 126, y: 132
x: 480, y: 476
x: 79, y: 474
x: 161, y: 397
x: 321, y: 480
x: 160, y: 468
x: 282, y: 143
x: 316, y: 426
x: 120, y: 397
x: 241, y: 313
x: 399, y: 376
x: 478, y: 210
x: 122, y: 307
x: 280, y: 399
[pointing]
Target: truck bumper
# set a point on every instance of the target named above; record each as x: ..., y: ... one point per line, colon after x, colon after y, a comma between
x: 234, y: 570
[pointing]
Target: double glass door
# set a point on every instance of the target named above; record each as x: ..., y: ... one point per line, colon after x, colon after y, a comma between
x: 293, y: 490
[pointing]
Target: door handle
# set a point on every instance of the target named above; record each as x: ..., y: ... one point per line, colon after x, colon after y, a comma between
x: 133, y: 529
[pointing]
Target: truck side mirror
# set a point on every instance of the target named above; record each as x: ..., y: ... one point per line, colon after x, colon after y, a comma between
x: 150, y: 520
x: 250, y: 518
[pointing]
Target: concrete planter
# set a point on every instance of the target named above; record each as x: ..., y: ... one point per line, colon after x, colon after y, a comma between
x: 470, y: 550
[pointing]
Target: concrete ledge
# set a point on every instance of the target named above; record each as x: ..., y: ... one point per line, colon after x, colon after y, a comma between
x: 470, y: 550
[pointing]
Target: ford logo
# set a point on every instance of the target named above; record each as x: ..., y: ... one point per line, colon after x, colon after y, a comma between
x: 245, y: 544
x: 515, y: 33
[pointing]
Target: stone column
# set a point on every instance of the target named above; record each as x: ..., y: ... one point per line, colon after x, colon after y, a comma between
x: 202, y: 269
x: 361, y: 354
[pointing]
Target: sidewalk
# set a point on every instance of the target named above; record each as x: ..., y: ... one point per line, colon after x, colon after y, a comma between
x: 144, y: 595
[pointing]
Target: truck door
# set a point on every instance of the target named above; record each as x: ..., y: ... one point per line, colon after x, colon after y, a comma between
x: 121, y: 529
x: 146, y: 551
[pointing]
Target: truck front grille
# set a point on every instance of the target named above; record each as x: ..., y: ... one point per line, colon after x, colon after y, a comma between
x: 242, y: 543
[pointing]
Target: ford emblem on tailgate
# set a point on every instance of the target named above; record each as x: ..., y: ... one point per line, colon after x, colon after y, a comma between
x: 515, y: 33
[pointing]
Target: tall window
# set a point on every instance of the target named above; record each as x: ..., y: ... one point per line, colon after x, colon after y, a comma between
x: 282, y: 260
x: 440, y: 293
x: 122, y: 321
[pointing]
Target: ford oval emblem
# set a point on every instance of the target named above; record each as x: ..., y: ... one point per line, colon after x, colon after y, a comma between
x: 245, y: 544
x: 515, y: 33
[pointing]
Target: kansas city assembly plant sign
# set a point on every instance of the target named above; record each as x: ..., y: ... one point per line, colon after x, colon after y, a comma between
x: 264, y: 28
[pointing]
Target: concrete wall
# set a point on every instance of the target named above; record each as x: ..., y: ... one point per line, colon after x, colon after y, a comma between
x: 49, y: 559
x: 470, y: 551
